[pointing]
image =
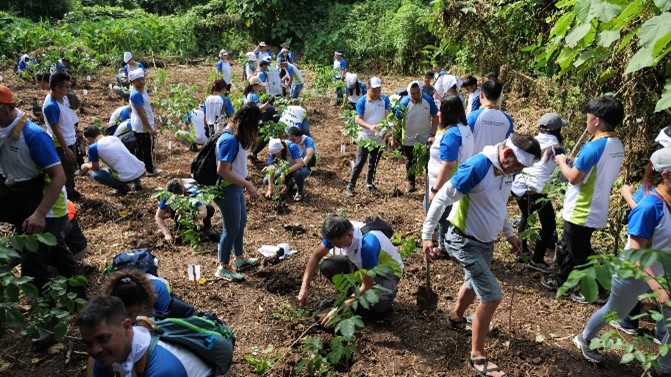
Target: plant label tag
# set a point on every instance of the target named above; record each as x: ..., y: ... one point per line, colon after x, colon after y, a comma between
x: 111, y: 86
x: 196, y: 271
x: 88, y: 77
x: 343, y: 148
x: 170, y: 145
x: 190, y: 271
x: 2, y: 79
x: 85, y: 91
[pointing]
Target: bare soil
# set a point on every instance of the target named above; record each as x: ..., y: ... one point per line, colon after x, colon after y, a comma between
x: 405, y: 344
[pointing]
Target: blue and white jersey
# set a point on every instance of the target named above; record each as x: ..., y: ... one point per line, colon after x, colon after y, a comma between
x: 128, y: 68
x: 140, y: 100
x: 473, y: 101
x: 252, y: 97
x: 418, y: 118
x: 295, y: 74
x: 452, y: 144
x: 119, y: 115
x: 586, y: 203
x: 225, y: 68
x: 213, y: 106
x: 230, y: 150
x: 123, y: 165
x: 55, y: 112
x: 489, y: 127
x: 651, y: 220
x: 364, y: 252
x: 372, y: 112
x: 263, y: 76
x: 260, y: 55
x: 24, y: 157
x: 306, y: 142
x: 338, y: 67
x: 293, y: 154
x: 290, y: 57
x: 294, y: 116
x: 166, y: 360
x: 162, y: 290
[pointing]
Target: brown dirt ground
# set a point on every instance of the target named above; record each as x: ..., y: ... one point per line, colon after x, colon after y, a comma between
x: 407, y: 344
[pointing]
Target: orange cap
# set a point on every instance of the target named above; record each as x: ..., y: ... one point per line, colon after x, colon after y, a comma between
x: 6, y: 95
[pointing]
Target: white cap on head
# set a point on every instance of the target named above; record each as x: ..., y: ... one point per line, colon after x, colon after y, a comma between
x: 661, y: 160
x: 275, y: 146
x: 664, y: 137
x: 414, y: 83
x: 223, y: 52
x: 135, y: 74
x: 375, y: 82
x: 283, y: 50
x: 451, y: 80
x: 127, y: 56
x: 351, y: 79
x: 267, y: 59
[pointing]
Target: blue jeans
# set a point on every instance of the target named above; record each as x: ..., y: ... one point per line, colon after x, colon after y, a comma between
x: 305, y: 128
x: 234, y: 217
x: 105, y: 177
x: 298, y: 176
x: 296, y: 90
x: 623, y: 297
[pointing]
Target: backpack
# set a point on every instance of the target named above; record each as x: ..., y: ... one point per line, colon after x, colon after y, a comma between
x: 204, y: 165
x: 142, y: 259
x: 376, y: 223
x: 203, y: 334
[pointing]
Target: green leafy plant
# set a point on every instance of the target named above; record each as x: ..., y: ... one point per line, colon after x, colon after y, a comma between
x: 277, y: 172
x: 408, y: 245
x: 261, y: 360
x: 287, y: 312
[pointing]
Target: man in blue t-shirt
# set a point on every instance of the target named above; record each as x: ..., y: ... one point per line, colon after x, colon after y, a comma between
x: 361, y: 251
x: 120, y: 349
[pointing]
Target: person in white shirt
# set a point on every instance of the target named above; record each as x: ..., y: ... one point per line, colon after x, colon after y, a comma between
x: 471, y: 85
x: 224, y: 66
x: 489, y: 124
x: 142, y: 120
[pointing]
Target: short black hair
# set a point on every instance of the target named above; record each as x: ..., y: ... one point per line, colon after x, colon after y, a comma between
x: 428, y: 74
x: 91, y: 131
x: 492, y: 89
x: 263, y: 62
x: 109, y: 309
x: 294, y: 131
x: 608, y: 109
x: 58, y: 79
x: 470, y: 81
x: 335, y: 226
x: 175, y: 186
x: 452, y: 111
x: 491, y: 76
x: 527, y: 143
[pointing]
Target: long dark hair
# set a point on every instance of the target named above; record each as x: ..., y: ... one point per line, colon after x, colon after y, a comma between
x: 248, y: 89
x: 451, y: 111
x: 357, y: 89
x: 218, y: 85
x: 247, y: 124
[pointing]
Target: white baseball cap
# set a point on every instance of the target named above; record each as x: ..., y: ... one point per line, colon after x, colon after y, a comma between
x: 127, y: 56
x: 135, y: 74
x: 375, y: 82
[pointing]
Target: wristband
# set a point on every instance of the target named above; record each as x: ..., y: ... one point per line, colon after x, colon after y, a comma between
x: 434, y: 190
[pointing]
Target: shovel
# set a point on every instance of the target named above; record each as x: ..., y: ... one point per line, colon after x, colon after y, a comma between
x: 427, y: 299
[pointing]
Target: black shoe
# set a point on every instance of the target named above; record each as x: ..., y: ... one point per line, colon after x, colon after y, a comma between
x: 374, y: 190
x: 550, y: 282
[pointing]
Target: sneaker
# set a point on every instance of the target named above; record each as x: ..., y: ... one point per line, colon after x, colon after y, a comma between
x: 298, y: 197
x: 349, y: 193
x: 226, y: 274
x: 243, y: 264
x: 580, y: 299
x: 550, y: 282
x: 590, y: 355
x: 153, y: 173
x: 374, y: 190
x: 410, y: 188
x: 539, y: 266
x: 627, y: 330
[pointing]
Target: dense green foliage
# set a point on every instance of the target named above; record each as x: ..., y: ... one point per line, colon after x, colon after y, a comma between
x: 39, y: 9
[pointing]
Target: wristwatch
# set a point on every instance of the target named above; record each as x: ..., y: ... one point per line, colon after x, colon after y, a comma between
x: 434, y: 190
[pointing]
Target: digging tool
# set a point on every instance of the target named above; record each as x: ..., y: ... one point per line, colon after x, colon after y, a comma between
x: 427, y: 299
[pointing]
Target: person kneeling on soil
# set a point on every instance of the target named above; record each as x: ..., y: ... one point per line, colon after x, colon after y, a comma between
x: 205, y: 212
x: 362, y: 251
x: 122, y: 166
x: 120, y: 349
x: 296, y: 172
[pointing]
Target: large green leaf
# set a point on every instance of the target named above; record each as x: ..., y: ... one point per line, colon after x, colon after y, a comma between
x: 577, y: 34
x: 629, y: 13
x: 663, y: 5
x: 603, y: 10
x: 582, y: 10
x: 653, y: 29
x: 562, y: 24
x: 607, y: 37
x: 661, y: 45
x: 665, y: 101
x: 642, y: 59
x: 589, y: 288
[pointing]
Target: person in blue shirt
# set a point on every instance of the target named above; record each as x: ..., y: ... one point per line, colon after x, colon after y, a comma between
x: 286, y: 53
x: 141, y: 293
x: 130, y: 64
x: 224, y: 68
x: 360, y: 251
x: 24, y: 63
x: 297, y: 172
x: 306, y: 146
x: 340, y: 70
x: 216, y: 106
x: 175, y: 186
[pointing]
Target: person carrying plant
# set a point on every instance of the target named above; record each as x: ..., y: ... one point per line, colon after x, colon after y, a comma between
x: 354, y: 90
x: 453, y: 145
x: 479, y: 192
x: 249, y: 69
x: 232, y: 149
x: 530, y: 189
x: 419, y: 115
x: 120, y: 349
x: 61, y: 124
x: 340, y: 69
x: 471, y: 85
x: 370, y: 111
x: 217, y: 105
x: 296, y: 171
x: 142, y: 121
x: 192, y: 129
x: 175, y: 186
x: 306, y: 146
x: 648, y: 227
x: 362, y: 251
x: 122, y: 167
x: 252, y: 91
x: 590, y: 178
x: 224, y: 67
x: 295, y: 79
x: 490, y: 125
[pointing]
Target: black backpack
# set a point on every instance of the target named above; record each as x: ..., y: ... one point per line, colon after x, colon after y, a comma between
x: 376, y: 223
x: 204, y: 165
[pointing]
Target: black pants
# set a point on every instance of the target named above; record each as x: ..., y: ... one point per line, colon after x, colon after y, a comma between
x: 341, y: 264
x: 540, y: 204
x: 409, y: 161
x: 362, y: 154
x: 69, y: 167
x: 576, y: 248
x: 145, y: 146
